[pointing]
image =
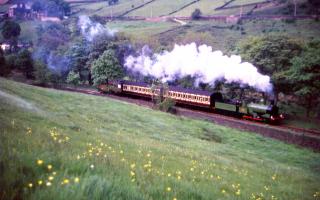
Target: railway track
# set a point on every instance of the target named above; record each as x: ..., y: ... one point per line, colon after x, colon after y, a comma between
x: 293, y: 135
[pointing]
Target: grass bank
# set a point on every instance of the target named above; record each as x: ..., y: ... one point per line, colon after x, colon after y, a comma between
x: 60, y: 145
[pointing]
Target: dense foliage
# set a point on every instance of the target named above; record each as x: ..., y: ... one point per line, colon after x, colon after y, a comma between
x: 106, y: 67
x: 24, y: 62
x: 4, y: 69
x: 305, y: 75
x: 272, y: 55
x: 10, y: 31
x: 41, y: 73
x: 73, y: 78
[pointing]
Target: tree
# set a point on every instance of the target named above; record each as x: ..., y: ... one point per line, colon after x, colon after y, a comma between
x: 315, y: 3
x: 73, y: 78
x: 4, y: 68
x: 271, y: 55
x: 314, y: 6
x: 11, y: 31
x: 37, y: 6
x: 41, y: 73
x: 78, y: 58
x: 106, y: 67
x: 196, y: 14
x: 25, y: 63
x: 305, y: 75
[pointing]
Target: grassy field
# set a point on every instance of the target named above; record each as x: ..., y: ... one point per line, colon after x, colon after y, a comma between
x: 28, y: 30
x: 60, y: 145
x: 159, y: 7
x: 103, y: 9
x: 141, y: 28
x: 226, y: 35
x: 244, y: 2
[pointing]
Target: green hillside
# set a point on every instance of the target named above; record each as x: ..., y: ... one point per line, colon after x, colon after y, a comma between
x: 61, y: 145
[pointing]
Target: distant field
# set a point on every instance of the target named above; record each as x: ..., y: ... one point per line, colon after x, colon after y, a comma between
x: 156, y: 8
x: 61, y: 145
x: 206, y: 6
x: 103, y: 9
x: 28, y: 30
x: 160, y: 7
x: 244, y: 2
x: 226, y: 36
x: 142, y: 28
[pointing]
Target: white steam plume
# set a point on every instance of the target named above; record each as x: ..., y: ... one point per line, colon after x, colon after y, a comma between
x: 91, y: 29
x: 206, y: 65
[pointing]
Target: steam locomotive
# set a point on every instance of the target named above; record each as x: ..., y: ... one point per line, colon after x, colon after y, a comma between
x: 198, y: 98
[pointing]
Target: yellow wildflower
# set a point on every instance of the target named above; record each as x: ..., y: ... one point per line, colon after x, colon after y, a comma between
x: 66, y: 181
x: 76, y: 180
x: 168, y: 189
x: 39, y: 162
x: 48, y: 183
x: 50, y: 178
x: 49, y: 167
x: 40, y: 182
x: 30, y: 185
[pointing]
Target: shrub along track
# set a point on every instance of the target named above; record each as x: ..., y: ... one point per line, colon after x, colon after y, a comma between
x: 292, y: 135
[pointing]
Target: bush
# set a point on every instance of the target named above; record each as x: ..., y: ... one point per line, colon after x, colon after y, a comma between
x: 24, y: 62
x: 42, y: 74
x: 4, y: 68
x: 167, y: 105
x: 73, y: 78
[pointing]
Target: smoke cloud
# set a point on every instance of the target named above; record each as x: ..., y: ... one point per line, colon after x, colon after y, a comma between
x: 206, y: 65
x: 90, y: 29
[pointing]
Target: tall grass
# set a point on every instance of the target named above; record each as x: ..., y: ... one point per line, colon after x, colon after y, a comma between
x: 76, y: 146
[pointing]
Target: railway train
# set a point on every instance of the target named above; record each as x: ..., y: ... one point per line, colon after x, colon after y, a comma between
x: 213, y: 101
